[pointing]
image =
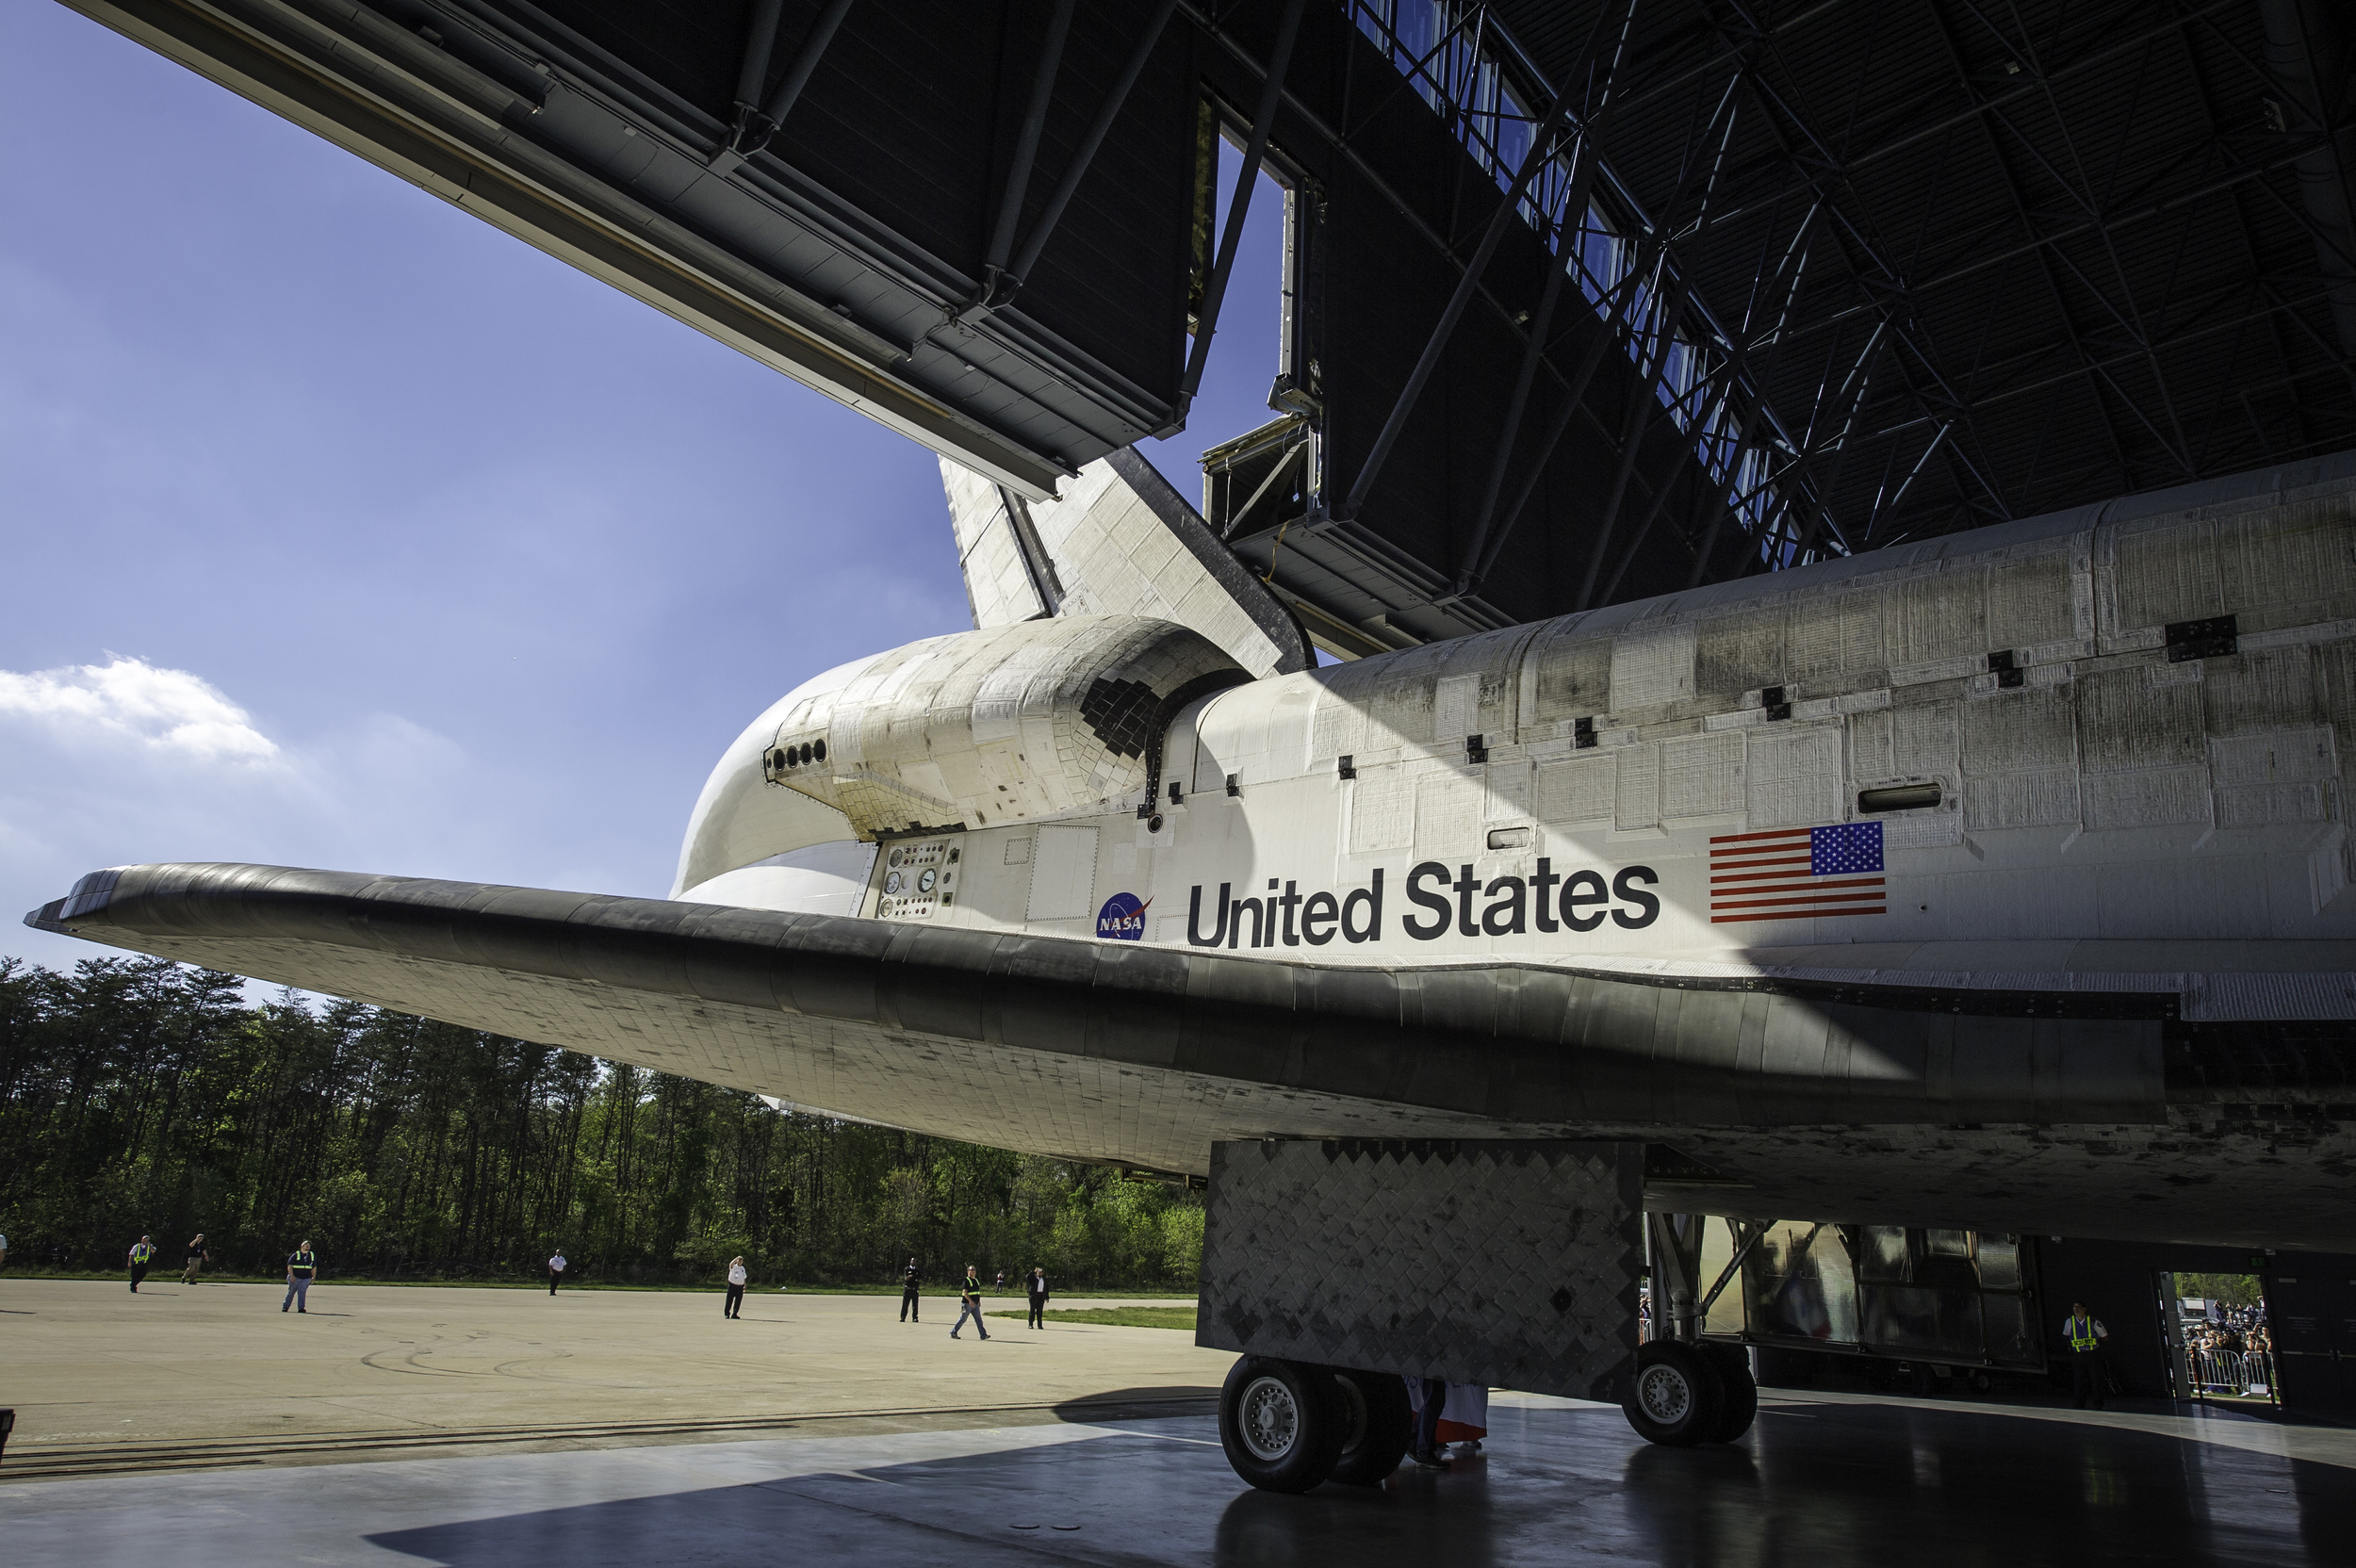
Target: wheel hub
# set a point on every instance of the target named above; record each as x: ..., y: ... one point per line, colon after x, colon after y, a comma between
x: 1665, y: 1393
x: 1268, y: 1418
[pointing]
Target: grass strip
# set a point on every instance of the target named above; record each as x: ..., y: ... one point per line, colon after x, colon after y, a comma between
x: 946, y: 1290
x: 1120, y: 1317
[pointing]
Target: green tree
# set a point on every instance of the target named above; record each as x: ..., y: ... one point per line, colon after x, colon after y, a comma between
x: 139, y: 1096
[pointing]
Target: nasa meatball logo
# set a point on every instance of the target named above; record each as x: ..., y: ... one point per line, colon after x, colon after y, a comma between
x: 1122, y: 917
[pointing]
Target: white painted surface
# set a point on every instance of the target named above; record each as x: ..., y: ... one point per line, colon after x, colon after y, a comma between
x: 2108, y: 798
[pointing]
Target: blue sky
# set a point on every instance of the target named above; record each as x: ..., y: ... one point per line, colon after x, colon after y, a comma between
x: 341, y: 529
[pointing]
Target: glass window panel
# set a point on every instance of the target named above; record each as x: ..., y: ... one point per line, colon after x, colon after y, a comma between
x: 1882, y: 1254
x: 1947, y: 1244
x: 2000, y: 1263
x: 1511, y: 130
x: 1725, y: 1314
x: 2011, y: 1336
x: 1374, y: 19
x: 1799, y: 1285
x: 1941, y: 1324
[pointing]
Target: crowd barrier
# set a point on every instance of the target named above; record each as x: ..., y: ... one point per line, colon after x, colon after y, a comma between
x: 2232, y: 1374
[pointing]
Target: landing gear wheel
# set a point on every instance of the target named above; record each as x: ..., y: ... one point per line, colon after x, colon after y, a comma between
x: 1740, y: 1405
x: 1282, y: 1423
x: 1678, y: 1397
x: 1378, y: 1429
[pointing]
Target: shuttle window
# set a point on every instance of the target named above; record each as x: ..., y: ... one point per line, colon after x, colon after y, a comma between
x: 1899, y: 797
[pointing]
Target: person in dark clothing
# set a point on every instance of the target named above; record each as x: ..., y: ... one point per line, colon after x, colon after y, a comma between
x: 907, y: 1294
x: 198, y: 1258
x: 1426, y: 1448
x: 737, y: 1281
x: 142, y: 1254
x: 1038, y: 1299
x: 2085, y: 1335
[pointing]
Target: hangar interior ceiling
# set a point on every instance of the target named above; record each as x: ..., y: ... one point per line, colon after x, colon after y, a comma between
x: 1585, y: 299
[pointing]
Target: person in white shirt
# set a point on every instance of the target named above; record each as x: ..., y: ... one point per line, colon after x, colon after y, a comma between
x: 737, y: 1276
x: 556, y: 1270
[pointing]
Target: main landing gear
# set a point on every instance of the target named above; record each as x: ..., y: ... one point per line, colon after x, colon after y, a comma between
x: 1288, y: 1426
x: 1686, y: 1394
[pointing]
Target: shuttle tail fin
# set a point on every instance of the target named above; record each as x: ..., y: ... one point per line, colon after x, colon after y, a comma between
x: 1120, y: 541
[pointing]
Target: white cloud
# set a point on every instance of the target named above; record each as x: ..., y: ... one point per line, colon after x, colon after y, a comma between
x: 126, y: 762
x: 167, y: 710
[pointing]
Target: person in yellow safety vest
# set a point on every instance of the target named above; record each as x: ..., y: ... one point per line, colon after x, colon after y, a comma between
x: 141, y: 1255
x: 300, y: 1265
x: 2085, y: 1335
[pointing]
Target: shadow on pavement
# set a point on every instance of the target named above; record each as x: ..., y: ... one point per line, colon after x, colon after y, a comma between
x: 1829, y: 1486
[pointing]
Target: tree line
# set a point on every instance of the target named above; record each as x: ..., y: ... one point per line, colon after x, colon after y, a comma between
x: 139, y: 1096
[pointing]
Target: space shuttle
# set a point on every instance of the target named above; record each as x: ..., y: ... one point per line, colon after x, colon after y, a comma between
x: 1998, y: 881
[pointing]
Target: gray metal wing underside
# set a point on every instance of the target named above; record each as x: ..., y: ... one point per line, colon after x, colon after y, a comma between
x: 1785, y: 1098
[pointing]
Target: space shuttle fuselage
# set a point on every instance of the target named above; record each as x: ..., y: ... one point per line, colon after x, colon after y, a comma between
x: 2104, y: 749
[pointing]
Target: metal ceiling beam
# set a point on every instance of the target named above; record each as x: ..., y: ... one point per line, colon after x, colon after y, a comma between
x: 2005, y: 394
x: 755, y: 127
x: 1983, y: 259
x: 993, y: 290
x: 1541, y: 152
x: 1915, y: 133
x: 1631, y: 443
x: 2045, y: 255
x: 1621, y: 302
x: 1784, y: 122
x: 1239, y: 204
x: 1084, y: 155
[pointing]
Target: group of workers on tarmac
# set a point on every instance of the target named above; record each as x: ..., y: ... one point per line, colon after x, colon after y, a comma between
x: 1446, y: 1412
x: 302, y: 1266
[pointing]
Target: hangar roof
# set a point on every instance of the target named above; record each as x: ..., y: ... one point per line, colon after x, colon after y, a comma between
x: 1586, y: 300
x: 2055, y: 251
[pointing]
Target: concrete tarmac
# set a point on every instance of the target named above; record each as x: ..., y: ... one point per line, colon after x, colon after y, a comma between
x: 1048, y: 1451
x: 102, y: 1378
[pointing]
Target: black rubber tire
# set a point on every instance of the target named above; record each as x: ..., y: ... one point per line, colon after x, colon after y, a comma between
x: 1379, y: 1426
x: 1740, y: 1405
x: 1282, y: 1423
x: 1676, y: 1395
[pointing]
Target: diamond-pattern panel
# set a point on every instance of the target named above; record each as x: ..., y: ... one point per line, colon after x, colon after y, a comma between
x: 1507, y: 1262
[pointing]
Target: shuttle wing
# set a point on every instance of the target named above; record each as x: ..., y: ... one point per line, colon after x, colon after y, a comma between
x: 1108, y: 1051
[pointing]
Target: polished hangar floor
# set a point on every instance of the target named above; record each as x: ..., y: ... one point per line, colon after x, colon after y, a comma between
x: 1092, y: 1452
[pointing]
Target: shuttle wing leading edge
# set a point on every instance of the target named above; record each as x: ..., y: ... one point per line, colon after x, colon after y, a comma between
x: 1776, y: 1096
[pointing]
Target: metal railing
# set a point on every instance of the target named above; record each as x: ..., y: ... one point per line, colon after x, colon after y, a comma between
x: 2232, y: 1374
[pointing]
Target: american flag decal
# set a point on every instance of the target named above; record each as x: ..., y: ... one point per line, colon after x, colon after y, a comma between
x: 1797, y: 873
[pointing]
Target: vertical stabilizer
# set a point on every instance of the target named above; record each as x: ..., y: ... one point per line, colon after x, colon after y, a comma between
x: 1120, y: 541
